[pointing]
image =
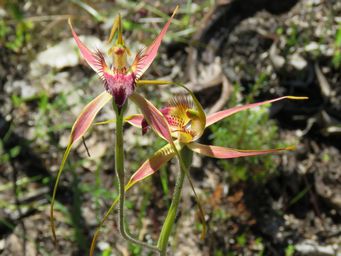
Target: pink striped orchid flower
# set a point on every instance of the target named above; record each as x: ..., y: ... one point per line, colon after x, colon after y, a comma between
x: 187, y: 122
x: 120, y: 81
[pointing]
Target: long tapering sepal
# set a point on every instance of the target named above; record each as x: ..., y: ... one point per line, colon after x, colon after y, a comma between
x: 152, y: 165
x: 225, y: 153
x: 145, y: 58
x: 95, y: 59
x: 215, y: 117
x: 81, y: 125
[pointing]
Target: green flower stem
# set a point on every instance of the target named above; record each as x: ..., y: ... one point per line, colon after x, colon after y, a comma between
x: 170, y: 218
x: 168, y: 224
x: 119, y: 168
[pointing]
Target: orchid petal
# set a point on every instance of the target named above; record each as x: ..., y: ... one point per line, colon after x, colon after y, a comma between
x: 95, y: 60
x: 215, y: 117
x: 79, y: 128
x: 153, y: 116
x: 152, y: 165
x: 225, y: 153
x: 87, y: 116
x: 145, y: 58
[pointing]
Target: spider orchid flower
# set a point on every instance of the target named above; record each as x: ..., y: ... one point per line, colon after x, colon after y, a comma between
x: 120, y: 81
x: 187, y: 122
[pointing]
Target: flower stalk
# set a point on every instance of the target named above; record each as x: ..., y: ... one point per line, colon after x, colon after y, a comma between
x: 119, y: 169
x: 186, y: 156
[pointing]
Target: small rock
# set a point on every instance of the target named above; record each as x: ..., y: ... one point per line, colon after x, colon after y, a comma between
x: 103, y: 245
x: 2, y: 13
x: 277, y: 60
x: 2, y: 244
x: 297, y: 61
x: 310, y: 247
x: 313, y: 46
x: 15, y: 246
x: 20, y: 87
x: 65, y: 53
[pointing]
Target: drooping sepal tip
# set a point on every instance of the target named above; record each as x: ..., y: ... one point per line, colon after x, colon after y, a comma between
x: 54, y: 193
x: 79, y: 128
x: 69, y: 22
x: 297, y: 97
x: 175, y: 10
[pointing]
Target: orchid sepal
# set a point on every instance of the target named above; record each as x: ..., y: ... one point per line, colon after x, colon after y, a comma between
x: 145, y: 58
x: 79, y: 128
x: 226, y: 153
x: 153, y: 164
x: 153, y: 116
x: 94, y: 59
x: 217, y: 116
